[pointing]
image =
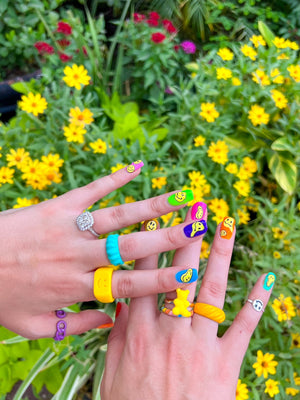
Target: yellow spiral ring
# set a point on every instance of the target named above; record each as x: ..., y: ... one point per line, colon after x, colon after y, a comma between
x: 209, y: 311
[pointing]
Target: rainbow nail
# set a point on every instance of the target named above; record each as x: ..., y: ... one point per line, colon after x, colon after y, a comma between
x: 187, y: 275
x: 269, y: 281
x: 227, y: 228
x: 182, y: 197
x: 134, y: 166
x: 195, y: 229
x: 198, y: 210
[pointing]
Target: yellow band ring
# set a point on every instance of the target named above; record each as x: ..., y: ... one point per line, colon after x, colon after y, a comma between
x: 210, y: 312
x: 102, y: 284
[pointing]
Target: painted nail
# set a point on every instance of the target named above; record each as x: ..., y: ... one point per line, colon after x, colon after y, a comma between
x: 118, y: 309
x: 269, y: 281
x: 182, y: 197
x: 135, y: 166
x: 198, y: 210
x: 105, y: 326
x: 187, y: 275
x: 227, y: 228
x: 151, y: 225
x: 195, y: 229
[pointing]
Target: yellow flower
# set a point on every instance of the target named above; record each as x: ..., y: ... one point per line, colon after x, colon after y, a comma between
x: 129, y: 199
x: 6, y: 175
x: 159, y: 182
x: 244, y: 173
x: 272, y: 387
x: 279, y: 42
x: 265, y: 364
x: 53, y: 161
x: 241, y: 391
x: 284, y: 308
x: 260, y: 77
x: 279, y: 98
x: 243, y: 188
x: 205, y: 250
x: 220, y: 208
x: 209, y: 112
x: 294, y: 71
x: 34, y: 174
x: 279, y: 233
x: 74, y: 133
x: 244, y: 216
x: 23, y: 202
x: 33, y: 104
x: 117, y: 167
x: 232, y: 168
x: 276, y: 255
x: 218, y: 152
x: 249, y: 164
x: 252, y: 204
x: 291, y: 391
x: 295, y: 341
x: 258, y: 116
x: 199, y: 141
x: 258, y: 40
x: 283, y: 56
x: 197, y: 179
x: 166, y: 218
x: 76, y: 76
x: 291, y: 45
x: 99, y: 146
x: 225, y: 54
x: 277, y: 78
x: 193, y: 75
x: 223, y: 73
x: 52, y: 175
x: 236, y: 82
x: 17, y: 157
x: 248, y: 51
x: 84, y: 117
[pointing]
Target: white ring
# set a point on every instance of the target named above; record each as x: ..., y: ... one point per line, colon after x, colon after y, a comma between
x: 85, y: 222
x: 257, y: 305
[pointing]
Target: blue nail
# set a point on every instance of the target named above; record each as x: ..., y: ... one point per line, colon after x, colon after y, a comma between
x: 195, y: 229
x: 187, y: 275
x: 269, y: 281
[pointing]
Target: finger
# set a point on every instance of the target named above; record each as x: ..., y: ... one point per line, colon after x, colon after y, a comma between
x: 237, y: 337
x: 44, y: 326
x: 214, y: 283
x: 82, y: 198
x: 114, y: 218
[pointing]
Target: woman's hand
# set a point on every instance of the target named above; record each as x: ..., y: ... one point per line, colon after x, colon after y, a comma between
x: 154, y: 355
x: 47, y: 263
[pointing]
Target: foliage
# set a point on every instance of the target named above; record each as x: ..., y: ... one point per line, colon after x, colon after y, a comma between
x: 189, y: 122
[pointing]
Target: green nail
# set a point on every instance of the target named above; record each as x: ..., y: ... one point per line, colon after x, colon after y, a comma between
x: 182, y: 197
x: 269, y: 281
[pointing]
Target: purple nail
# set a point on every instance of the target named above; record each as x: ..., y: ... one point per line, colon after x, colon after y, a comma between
x: 195, y: 229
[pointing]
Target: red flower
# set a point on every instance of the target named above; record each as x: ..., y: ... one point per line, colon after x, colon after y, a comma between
x: 83, y: 49
x: 64, y: 57
x: 154, y: 15
x: 44, y: 48
x: 63, y: 27
x: 176, y: 47
x: 64, y: 42
x: 169, y: 27
x: 138, y: 17
x: 152, y: 22
x: 158, y: 37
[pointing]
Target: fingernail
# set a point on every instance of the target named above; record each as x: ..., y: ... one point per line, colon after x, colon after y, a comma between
x: 135, y: 166
x: 176, y: 199
x: 151, y: 225
x: 269, y: 281
x: 227, y: 227
x: 118, y: 309
x: 105, y: 326
x: 198, y: 210
x: 195, y: 229
x: 187, y: 275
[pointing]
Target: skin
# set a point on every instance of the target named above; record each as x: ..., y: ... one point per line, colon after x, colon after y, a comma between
x: 47, y: 263
x: 154, y: 356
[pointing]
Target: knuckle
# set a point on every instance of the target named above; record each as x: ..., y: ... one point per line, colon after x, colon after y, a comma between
x: 118, y: 215
x: 125, y: 287
x: 127, y: 247
x: 162, y: 281
x: 221, y: 251
x: 156, y: 206
x: 139, y: 344
x: 213, y: 289
x: 171, y: 237
x: 243, y: 325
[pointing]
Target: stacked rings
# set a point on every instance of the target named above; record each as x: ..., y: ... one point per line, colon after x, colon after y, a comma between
x: 112, y: 250
x: 210, y: 312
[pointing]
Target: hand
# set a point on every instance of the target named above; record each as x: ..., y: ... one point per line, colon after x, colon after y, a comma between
x: 152, y: 355
x: 47, y: 263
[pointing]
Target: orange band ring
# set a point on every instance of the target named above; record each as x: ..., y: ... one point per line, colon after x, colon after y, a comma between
x: 210, y: 312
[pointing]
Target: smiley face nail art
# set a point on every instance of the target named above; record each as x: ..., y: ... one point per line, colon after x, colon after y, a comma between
x: 269, y: 281
x: 187, y: 275
x: 227, y: 228
x: 198, y: 210
x: 181, y: 197
x: 195, y: 229
x: 151, y: 225
x: 134, y: 166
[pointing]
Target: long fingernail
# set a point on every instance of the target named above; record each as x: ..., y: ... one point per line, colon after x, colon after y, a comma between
x: 227, y: 228
x: 105, y: 326
x: 187, y: 275
x: 198, y: 210
x: 118, y: 308
x: 176, y: 199
x: 151, y: 225
x: 269, y: 281
x: 195, y: 229
x: 135, y: 166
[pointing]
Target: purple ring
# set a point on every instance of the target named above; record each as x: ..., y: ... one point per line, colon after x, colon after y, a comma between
x: 61, y: 325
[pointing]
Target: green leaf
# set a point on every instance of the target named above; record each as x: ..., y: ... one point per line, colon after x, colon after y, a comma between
x: 282, y: 144
x: 266, y: 33
x: 3, y: 6
x: 284, y: 169
x: 21, y: 87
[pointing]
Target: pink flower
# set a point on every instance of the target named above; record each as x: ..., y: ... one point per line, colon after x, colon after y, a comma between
x: 152, y: 22
x: 188, y: 47
x: 169, y: 27
x: 158, y: 37
x: 64, y: 27
x: 64, y: 42
x: 138, y: 17
x: 154, y: 15
x: 44, y: 48
x: 176, y: 47
x: 64, y: 57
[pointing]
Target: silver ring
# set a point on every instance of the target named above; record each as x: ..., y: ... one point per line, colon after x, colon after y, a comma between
x: 257, y: 304
x: 85, y: 222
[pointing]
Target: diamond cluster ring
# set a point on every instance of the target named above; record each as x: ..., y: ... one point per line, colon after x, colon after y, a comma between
x: 85, y: 222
